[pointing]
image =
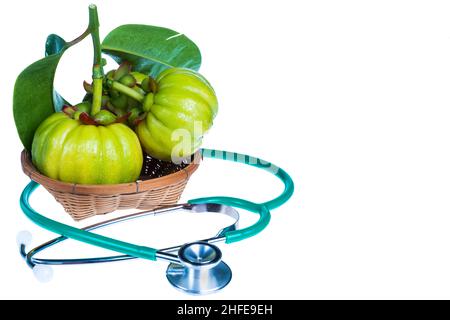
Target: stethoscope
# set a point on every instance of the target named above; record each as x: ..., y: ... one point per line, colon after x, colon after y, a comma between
x: 194, y: 267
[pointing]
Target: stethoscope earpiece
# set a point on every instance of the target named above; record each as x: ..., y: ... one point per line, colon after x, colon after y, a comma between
x: 43, y: 273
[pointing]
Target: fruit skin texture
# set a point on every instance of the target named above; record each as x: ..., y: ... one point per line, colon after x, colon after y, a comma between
x: 183, y: 98
x: 67, y: 150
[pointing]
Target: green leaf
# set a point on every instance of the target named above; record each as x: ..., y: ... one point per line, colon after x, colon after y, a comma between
x: 151, y: 49
x: 54, y: 45
x: 33, y: 92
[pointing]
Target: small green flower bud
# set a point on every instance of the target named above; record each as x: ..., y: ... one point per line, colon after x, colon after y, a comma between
x: 138, y: 76
x: 120, y: 102
x: 149, y: 85
x: 139, y: 119
x: 69, y: 110
x: 128, y: 80
x: 110, y: 74
x: 105, y: 117
x: 77, y: 114
x: 83, y: 106
x: 118, y: 112
x: 134, y: 113
x: 124, y: 68
x: 148, y: 102
x: 139, y: 90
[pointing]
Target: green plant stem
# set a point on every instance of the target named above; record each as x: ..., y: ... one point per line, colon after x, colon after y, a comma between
x: 97, y: 69
x: 97, y: 90
x: 126, y: 90
x: 79, y: 38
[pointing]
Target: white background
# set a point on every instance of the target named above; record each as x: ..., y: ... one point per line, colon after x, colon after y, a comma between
x: 350, y: 97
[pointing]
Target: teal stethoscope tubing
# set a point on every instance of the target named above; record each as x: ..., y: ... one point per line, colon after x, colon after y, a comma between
x: 263, y: 209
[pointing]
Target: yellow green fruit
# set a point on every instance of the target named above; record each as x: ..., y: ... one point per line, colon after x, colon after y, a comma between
x: 67, y: 150
x: 183, y: 109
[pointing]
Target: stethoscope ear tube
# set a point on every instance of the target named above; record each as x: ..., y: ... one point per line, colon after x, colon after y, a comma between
x: 260, y: 164
x: 81, y: 235
x: 240, y: 234
x: 263, y: 209
x: 150, y: 253
x: 287, y: 192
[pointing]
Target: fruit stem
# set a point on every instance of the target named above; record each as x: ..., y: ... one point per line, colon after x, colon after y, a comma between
x: 97, y: 69
x: 125, y: 90
x: 79, y: 38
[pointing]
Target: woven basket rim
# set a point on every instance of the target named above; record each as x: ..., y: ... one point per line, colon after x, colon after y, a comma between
x: 108, y: 189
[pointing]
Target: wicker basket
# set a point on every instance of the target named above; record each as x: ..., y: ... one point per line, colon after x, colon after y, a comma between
x: 82, y: 201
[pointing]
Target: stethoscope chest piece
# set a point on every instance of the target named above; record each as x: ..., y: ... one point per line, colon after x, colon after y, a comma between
x: 201, y: 269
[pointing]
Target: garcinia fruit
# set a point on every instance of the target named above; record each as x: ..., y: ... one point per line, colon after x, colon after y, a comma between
x: 179, y: 113
x: 65, y: 149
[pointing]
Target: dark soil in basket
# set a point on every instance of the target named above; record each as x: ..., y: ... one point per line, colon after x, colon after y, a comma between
x: 154, y: 168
